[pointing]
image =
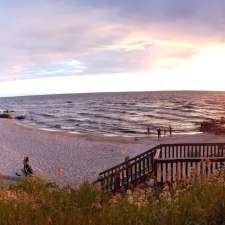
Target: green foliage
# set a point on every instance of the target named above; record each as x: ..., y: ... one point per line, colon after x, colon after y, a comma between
x: 35, y: 202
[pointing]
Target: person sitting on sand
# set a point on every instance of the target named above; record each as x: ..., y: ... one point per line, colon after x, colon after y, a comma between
x: 28, y: 171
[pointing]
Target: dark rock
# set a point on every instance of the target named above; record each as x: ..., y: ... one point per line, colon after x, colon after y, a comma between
x: 20, y: 117
x: 5, y: 116
x: 213, y: 126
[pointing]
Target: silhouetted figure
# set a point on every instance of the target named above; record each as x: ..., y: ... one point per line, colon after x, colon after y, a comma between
x: 165, y: 131
x: 26, y: 167
x: 159, y: 133
x: 148, y: 130
x: 170, y: 130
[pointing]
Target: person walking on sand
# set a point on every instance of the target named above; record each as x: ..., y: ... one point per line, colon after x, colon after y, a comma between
x: 165, y: 131
x: 148, y: 131
x: 170, y: 130
x: 159, y: 133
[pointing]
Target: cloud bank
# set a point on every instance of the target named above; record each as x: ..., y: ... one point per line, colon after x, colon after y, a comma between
x: 64, y: 38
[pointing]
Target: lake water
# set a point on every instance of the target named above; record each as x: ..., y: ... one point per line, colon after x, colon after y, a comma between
x: 124, y: 114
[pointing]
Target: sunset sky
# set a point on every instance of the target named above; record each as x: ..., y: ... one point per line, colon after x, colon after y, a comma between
x: 54, y: 46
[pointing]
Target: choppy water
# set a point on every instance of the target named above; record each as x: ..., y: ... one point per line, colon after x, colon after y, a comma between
x: 118, y: 113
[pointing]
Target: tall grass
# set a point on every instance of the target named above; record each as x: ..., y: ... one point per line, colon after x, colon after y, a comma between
x: 34, y: 202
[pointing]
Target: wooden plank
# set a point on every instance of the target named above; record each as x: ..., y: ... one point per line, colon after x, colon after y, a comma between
x: 166, y: 171
x: 189, y: 169
x: 169, y: 173
x: 207, y: 150
x: 161, y: 165
x: 173, y: 172
x: 181, y: 172
x: 220, y: 150
x: 168, y: 150
x: 214, y: 151
x: 182, y: 155
x: 157, y: 155
x: 218, y: 159
x: 152, y: 162
x: 158, y: 172
x: 178, y: 170
x: 210, y: 151
x: 223, y: 150
x: 213, y: 167
x: 187, y: 150
x: 192, y: 151
x: 217, y: 151
x: 173, y: 151
x: 135, y: 172
x: 179, y: 149
x: 139, y: 169
x: 163, y: 172
x: 164, y: 149
x: 163, y: 153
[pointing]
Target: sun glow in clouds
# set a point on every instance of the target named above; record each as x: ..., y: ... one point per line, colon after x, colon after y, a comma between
x: 205, y: 71
x: 58, y: 49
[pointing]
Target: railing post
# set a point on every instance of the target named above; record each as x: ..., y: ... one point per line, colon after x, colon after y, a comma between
x: 179, y: 158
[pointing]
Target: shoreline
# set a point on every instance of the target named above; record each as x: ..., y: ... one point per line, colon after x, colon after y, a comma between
x: 89, y: 136
x: 105, y: 137
x: 68, y: 158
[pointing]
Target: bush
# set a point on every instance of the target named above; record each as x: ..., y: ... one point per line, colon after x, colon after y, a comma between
x: 34, y: 201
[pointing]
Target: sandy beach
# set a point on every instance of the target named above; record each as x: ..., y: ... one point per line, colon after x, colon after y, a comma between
x: 72, y: 158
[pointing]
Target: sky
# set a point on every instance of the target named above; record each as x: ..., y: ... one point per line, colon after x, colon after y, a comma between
x: 76, y: 46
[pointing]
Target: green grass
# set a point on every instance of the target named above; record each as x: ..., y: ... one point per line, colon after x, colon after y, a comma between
x: 34, y: 202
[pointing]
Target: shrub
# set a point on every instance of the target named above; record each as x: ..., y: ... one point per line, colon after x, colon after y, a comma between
x: 34, y: 201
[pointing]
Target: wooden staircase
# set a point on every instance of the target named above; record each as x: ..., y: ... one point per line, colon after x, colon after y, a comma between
x: 130, y: 172
x: 165, y: 163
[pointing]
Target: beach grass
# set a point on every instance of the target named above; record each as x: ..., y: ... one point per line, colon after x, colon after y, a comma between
x: 35, y: 201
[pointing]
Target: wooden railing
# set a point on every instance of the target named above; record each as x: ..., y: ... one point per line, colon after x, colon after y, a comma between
x: 185, y: 150
x: 166, y: 163
x: 177, y: 162
x: 128, y: 173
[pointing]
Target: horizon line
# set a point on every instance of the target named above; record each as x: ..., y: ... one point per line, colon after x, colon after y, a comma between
x: 109, y: 92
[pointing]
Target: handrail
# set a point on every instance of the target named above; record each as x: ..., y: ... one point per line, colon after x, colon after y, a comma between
x: 131, y: 159
x: 133, y: 170
x: 159, y: 146
x: 193, y: 143
x: 191, y: 159
x: 157, y: 154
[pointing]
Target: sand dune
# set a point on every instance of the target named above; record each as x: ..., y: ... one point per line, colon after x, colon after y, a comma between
x: 70, y: 158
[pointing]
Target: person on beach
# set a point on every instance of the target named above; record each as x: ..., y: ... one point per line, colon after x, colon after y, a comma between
x: 170, y: 130
x: 148, y: 131
x: 159, y: 133
x: 28, y: 171
x: 165, y: 131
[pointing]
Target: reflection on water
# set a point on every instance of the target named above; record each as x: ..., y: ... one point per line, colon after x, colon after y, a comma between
x: 119, y: 113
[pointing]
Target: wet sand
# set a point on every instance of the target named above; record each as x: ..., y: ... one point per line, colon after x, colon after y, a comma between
x: 72, y: 158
